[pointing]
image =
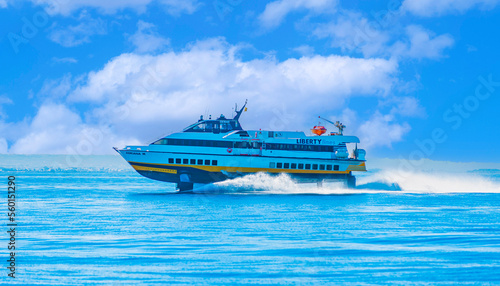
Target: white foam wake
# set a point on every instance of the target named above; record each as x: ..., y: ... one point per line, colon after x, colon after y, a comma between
x: 438, y: 182
x: 379, y: 182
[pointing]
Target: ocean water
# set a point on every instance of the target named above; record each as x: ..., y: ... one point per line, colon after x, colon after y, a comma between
x: 95, y: 221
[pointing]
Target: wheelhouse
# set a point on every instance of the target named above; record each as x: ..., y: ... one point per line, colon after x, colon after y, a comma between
x: 221, y: 125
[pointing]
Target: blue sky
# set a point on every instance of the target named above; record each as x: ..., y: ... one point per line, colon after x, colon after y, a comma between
x: 411, y: 78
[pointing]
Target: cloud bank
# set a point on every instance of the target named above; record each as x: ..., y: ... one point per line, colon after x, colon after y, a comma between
x: 138, y: 97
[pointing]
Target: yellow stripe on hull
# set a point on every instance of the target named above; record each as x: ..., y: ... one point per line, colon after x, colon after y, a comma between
x: 218, y: 169
x: 360, y: 168
x: 161, y: 170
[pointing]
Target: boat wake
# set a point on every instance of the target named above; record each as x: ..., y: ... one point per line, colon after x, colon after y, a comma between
x: 379, y: 182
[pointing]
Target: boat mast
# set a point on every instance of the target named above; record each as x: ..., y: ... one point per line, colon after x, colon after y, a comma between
x: 238, y: 113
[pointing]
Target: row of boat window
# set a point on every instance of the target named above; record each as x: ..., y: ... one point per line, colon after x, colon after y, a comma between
x: 245, y: 145
x: 192, y: 162
x: 300, y: 166
x: 296, y: 147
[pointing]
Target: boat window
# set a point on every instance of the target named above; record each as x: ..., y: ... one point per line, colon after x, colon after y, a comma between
x: 214, y: 126
x: 243, y: 134
x: 225, y: 126
x: 177, y: 161
x: 210, y: 126
x: 241, y: 145
x: 272, y: 165
x: 287, y: 166
x: 207, y: 162
x: 315, y: 166
x: 160, y: 142
x: 294, y: 166
x: 199, y: 127
x: 185, y: 161
x: 279, y: 165
x: 200, y: 162
x: 235, y: 124
x: 336, y: 167
x: 308, y: 166
x: 170, y: 160
x: 329, y: 167
x: 214, y: 162
x: 192, y: 161
x: 301, y: 166
x: 321, y: 167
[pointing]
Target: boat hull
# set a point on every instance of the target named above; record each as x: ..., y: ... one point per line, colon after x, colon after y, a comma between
x: 155, y: 166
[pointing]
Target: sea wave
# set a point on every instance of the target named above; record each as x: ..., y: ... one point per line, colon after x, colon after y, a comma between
x: 62, y: 163
x: 383, y: 177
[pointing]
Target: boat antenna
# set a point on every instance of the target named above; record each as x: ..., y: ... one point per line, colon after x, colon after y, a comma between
x: 326, y: 120
x: 238, y: 113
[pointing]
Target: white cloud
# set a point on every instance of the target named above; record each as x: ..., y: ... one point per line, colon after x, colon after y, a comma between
x: 406, y: 106
x: 58, y: 130
x: 51, y: 130
x: 429, y: 8
x: 276, y: 11
x: 382, y: 130
x: 422, y: 44
x: 67, y: 60
x: 72, y: 36
x: 177, y: 7
x: 304, y: 50
x: 137, y: 94
x: 4, y: 100
x: 67, y: 7
x: 353, y: 32
x: 3, y: 3
x: 133, y: 97
x: 57, y: 88
x: 146, y: 39
x: 4, y: 147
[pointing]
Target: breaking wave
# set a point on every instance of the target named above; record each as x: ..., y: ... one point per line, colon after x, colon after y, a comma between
x: 380, y: 182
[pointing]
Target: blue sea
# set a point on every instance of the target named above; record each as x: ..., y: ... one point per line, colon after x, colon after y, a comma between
x: 93, y: 220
